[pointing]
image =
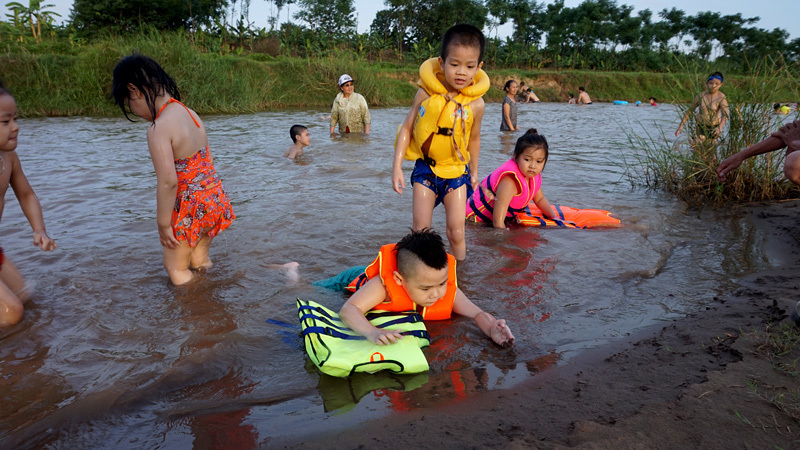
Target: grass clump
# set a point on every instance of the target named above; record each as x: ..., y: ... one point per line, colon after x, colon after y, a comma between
x: 688, y: 168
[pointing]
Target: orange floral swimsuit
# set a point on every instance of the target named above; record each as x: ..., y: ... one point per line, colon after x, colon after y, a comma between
x: 201, y: 202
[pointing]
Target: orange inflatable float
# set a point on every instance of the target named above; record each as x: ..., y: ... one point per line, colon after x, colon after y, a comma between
x: 532, y: 216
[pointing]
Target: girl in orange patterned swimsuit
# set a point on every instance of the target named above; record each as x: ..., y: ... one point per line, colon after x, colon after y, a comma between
x: 192, y: 206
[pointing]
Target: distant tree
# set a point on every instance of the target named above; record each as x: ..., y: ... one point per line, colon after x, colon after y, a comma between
x: 335, y: 17
x: 94, y: 16
x: 526, y: 15
x: 34, y: 16
x: 419, y: 21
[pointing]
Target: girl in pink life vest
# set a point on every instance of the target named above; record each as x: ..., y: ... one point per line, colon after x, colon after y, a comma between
x: 511, y: 187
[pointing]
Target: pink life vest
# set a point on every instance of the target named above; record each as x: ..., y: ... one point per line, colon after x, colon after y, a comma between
x: 482, y: 210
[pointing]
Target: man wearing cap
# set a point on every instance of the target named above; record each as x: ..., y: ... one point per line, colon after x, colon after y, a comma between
x: 350, y: 109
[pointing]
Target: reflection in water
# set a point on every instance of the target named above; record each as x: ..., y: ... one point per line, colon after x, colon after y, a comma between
x: 109, y: 354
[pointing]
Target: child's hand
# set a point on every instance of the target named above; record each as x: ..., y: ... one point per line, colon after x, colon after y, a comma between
x: 43, y: 241
x: 167, y: 237
x: 397, y: 180
x: 474, y: 181
x: 501, y: 334
x: 487, y: 193
x: 385, y: 337
x: 678, y: 131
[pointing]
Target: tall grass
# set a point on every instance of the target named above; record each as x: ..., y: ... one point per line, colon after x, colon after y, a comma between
x: 688, y: 168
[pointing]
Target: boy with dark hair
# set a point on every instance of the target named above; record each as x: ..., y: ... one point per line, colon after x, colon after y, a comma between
x: 713, y: 111
x: 442, y: 133
x: 414, y: 274
x: 301, y: 139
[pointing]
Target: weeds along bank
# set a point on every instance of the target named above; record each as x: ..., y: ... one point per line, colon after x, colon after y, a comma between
x: 64, y: 80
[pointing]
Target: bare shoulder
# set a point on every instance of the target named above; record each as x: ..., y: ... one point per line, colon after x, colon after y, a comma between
x: 478, y: 105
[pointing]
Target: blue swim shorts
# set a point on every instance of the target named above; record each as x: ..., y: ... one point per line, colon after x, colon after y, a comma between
x: 423, y: 175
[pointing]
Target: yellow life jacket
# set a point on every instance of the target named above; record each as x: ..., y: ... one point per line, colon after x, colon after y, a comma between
x: 340, y: 352
x: 443, y: 126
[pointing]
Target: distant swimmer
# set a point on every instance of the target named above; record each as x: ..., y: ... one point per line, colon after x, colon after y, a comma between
x: 653, y: 101
x: 583, y: 97
x: 301, y: 139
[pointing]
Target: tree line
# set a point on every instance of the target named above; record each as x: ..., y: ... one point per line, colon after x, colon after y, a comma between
x: 596, y: 34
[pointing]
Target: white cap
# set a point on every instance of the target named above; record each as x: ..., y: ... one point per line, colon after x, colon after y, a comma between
x: 344, y: 79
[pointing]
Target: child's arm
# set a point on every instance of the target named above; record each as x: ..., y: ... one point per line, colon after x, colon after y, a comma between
x: 724, y: 111
x: 367, y: 117
x: 495, y: 329
x: 730, y: 163
x: 542, y: 203
x: 364, y: 299
x: 403, y: 139
x: 506, y: 190
x: 160, y: 145
x: 694, y: 105
x: 30, y: 205
x: 334, y: 114
x: 474, y: 146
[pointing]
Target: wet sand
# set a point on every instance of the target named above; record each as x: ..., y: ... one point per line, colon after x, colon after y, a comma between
x: 698, y: 382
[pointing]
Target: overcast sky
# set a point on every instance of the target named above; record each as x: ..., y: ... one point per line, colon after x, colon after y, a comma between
x: 773, y: 13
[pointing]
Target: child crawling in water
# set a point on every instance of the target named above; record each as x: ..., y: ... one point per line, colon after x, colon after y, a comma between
x: 192, y: 206
x: 414, y: 274
x: 13, y: 292
x: 512, y: 186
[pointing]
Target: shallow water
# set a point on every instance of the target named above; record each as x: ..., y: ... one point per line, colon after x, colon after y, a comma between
x: 110, y: 355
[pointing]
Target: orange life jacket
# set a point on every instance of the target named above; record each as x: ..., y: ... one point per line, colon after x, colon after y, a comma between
x: 385, y: 265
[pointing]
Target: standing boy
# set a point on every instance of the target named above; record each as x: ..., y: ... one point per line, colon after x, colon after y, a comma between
x: 442, y: 133
x: 713, y: 111
x: 301, y: 139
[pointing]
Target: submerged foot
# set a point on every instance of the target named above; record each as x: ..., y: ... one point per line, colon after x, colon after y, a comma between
x: 291, y: 268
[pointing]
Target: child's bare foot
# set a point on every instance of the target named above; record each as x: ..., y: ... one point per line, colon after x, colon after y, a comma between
x: 292, y: 273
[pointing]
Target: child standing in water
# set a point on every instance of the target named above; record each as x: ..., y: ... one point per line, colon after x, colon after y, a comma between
x: 713, y: 111
x: 509, y: 189
x: 13, y: 292
x: 509, y: 122
x: 192, y: 206
x: 442, y: 133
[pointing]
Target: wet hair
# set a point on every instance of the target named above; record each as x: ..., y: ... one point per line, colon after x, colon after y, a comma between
x: 424, y: 246
x: 653, y: 99
x: 715, y: 75
x: 776, y: 106
x: 145, y: 74
x: 4, y: 90
x: 571, y: 95
x: 508, y: 85
x: 582, y: 89
x: 295, y: 131
x: 532, y: 138
x: 464, y: 35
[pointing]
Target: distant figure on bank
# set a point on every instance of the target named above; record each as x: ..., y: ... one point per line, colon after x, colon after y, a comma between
x: 301, y: 139
x: 572, y: 100
x: 653, y: 101
x: 713, y: 112
x: 350, y: 110
x: 192, y: 206
x: 13, y: 292
x: 526, y: 94
x: 786, y: 136
x: 583, y: 97
x: 509, y: 122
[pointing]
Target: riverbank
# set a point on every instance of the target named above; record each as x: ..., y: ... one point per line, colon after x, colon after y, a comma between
x: 715, y: 379
x: 76, y: 80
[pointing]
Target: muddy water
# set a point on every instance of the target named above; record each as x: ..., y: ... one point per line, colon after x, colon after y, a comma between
x: 110, y: 355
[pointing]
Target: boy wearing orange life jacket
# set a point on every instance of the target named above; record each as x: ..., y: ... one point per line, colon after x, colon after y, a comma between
x: 414, y: 274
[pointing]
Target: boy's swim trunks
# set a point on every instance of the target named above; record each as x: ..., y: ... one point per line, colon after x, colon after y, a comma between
x: 423, y: 175
x: 201, y: 202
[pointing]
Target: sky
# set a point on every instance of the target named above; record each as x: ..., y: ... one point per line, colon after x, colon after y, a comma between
x: 773, y: 13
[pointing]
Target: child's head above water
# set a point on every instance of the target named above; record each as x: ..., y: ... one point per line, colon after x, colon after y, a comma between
x: 422, y: 266
x: 8, y: 120
x: 463, y: 35
x: 147, y: 76
x: 531, y: 140
x: 297, y: 131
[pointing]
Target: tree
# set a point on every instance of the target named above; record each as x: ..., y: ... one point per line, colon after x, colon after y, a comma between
x: 335, y: 17
x: 425, y: 21
x: 93, y: 16
x: 34, y: 15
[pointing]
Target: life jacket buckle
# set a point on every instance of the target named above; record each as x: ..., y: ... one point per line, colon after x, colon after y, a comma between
x: 444, y: 131
x: 429, y: 161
